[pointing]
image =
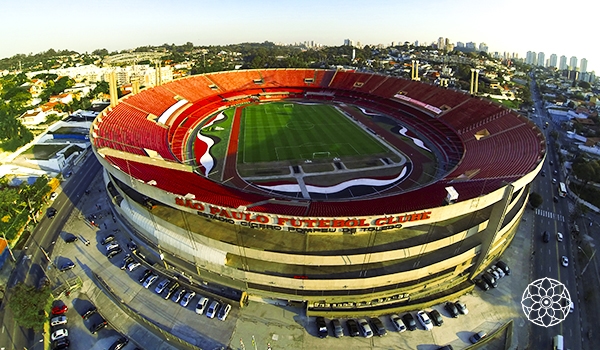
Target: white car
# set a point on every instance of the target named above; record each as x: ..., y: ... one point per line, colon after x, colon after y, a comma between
x: 559, y: 236
x: 365, y: 328
x: 223, y: 312
x: 212, y: 309
x: 162, y: 285
x: 565, y: 261
x: 397, y: 322
x: 111, y: 246
x: 187, y: 298
x: 425, y: 320
x: 134, y: 265
x: 61, y: 333
x: 148, y: 282
x: 202, y: 303
x: 53, y: 195
x: 58, y: 320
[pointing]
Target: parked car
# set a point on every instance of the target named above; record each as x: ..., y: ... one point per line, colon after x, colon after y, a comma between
x: 107, y: 239
x: 53, y: 196
x: 119, y: 343
x: 111, y: 254
x: 162, y: 285
x: 145, y: 275
x: 461, y: 307
x: 409, y: 321
x: 481, y: 283
x: 436, y: 318
x: 178, y: 295
x: 131, y: 246
x: 59, y: 309
x: 378, y: 327
x: 96, y: 327
x: 493, y: 273
x: 424, y: 320
x: 201, y: 306
x: 187, y: 298
x: 148, y: 282
x: 397, y: 322
x: 352, y: 326
x: 477, y: 337
x: 451, y: 308
x: 365, y: 328
x: 223, y: 312
x: 60, y: 333
x: 489, y: 279
x: 67, y: 266
x: 321, y: 327
x: 212, y: 309
x: 499, y: 271
x: 112, y: 245
x: 133, y: 265
x: 338, y: 331
x: 126, y: 261
x: 58, y: 320
x: 60, y: 344
x: 504, y: 267
x: 171, y: 290
x: 90, y: 311
x: 69, y: 238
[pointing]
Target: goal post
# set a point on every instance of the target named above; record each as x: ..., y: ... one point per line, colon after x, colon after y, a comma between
x: 288, y: 105
x: 317, y: 155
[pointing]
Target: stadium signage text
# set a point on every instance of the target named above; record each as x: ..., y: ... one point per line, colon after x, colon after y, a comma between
x: 302, y: 224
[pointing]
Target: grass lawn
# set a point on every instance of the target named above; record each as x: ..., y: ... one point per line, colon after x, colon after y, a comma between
x: 274, y: 132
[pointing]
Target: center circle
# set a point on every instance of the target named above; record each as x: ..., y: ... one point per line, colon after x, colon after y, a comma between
x: 546, y: 302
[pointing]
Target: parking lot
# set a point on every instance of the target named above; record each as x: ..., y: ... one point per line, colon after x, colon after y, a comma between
x: 130, y: 308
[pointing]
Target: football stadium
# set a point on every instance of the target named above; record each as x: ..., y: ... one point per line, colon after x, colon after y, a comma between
x: 351, y: 193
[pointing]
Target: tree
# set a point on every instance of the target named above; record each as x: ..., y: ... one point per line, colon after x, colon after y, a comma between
x: 29, y: 305
x: 535, y: 199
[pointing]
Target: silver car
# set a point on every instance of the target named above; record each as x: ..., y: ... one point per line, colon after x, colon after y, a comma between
x: 212, y: 309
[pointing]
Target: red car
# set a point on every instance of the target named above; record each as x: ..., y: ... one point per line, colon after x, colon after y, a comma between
x: 59, y: 309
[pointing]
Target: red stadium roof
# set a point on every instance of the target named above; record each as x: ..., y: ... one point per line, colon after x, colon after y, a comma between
x: 483, y: 146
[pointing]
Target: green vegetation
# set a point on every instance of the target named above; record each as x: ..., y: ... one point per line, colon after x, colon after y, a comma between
x: 16, y: 204
x: 535, y: 199
x: 284, y: 131
x: 12, y: 133
x: 29, y: 305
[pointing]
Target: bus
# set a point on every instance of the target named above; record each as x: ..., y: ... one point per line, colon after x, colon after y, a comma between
x: 562, y: 189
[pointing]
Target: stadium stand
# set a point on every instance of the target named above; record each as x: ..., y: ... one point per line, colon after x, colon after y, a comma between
x: 472, y: 162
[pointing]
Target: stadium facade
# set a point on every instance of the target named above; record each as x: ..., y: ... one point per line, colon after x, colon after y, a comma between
x: 396, y: 250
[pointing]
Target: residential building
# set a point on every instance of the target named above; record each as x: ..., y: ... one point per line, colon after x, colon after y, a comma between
x: 541, y: 59
x: 573, y: 63
x: 563, y: 63
x: 553, y: 61
x: 583, y: 65
x: 531, y: 58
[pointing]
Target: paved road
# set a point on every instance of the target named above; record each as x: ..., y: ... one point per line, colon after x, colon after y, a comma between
x: 32, y: 264
x: 552, y: 217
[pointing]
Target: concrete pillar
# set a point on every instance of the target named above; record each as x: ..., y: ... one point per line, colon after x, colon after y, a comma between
x: 135, y: 86
x: 476, y: 81
x: 112, y: 88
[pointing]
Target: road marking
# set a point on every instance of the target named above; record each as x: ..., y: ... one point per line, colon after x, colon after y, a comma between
x: 550, y: 215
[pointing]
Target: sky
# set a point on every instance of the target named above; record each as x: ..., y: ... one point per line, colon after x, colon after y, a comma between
x: 563, y: 28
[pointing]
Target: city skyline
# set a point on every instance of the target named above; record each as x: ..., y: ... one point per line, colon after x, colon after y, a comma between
x: 118, y: 26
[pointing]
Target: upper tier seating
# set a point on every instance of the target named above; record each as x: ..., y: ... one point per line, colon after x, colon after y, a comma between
x: 191, y: 88
x: 152, y: 101
x: 237, y: 80
x: 128, y: 129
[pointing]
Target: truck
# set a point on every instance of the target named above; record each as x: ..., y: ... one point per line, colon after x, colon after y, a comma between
x: 558, y: 342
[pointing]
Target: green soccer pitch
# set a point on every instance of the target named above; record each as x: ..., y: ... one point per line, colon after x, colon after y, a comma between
x: 298, y: 132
